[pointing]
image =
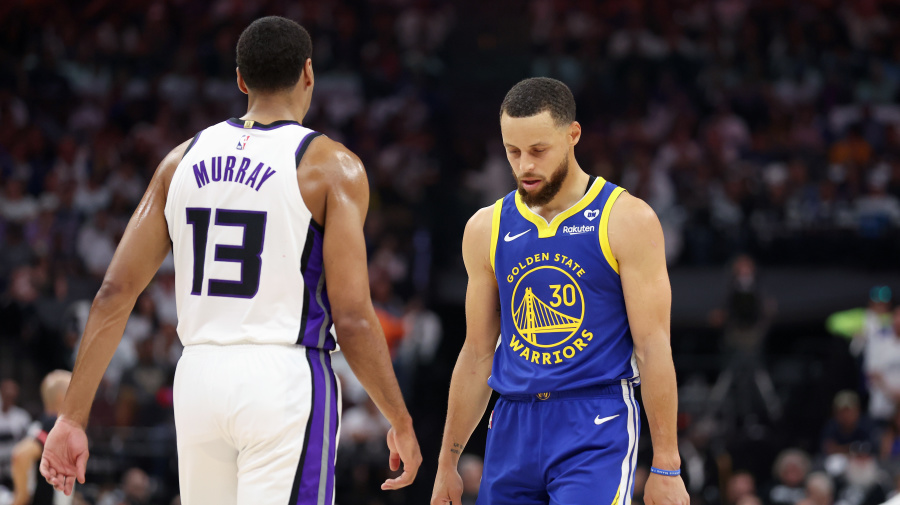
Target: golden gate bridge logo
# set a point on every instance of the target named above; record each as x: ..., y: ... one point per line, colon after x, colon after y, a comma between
x: 534, y: 317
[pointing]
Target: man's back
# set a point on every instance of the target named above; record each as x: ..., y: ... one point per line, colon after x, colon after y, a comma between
x: 248, y: 253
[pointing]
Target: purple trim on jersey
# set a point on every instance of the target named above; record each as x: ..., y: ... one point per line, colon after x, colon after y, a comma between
x: 312, y: 473
x: 193, y: 141
x: 274, y: 125
x: 304, y: 145
x: 318, y: 318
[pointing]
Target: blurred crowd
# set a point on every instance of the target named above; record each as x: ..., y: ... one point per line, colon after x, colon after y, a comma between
x: 851, y: 458
x: 766, y: 127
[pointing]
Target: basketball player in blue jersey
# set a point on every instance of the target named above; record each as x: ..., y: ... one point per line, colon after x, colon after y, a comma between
x: 569, y: 271
x: 265, y: 219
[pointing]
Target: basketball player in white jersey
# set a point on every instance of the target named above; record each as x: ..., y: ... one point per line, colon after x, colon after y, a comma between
x: 265, y: 219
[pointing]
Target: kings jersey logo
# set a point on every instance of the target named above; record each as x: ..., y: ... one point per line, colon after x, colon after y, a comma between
x: 548, y: 309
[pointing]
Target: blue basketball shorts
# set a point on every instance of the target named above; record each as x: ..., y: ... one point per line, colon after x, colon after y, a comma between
x: 568, y: 448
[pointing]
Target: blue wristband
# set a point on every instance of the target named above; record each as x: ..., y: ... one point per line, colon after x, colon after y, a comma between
x: 667, y: 473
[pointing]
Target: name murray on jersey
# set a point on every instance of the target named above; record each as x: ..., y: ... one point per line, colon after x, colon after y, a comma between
x: 231, y: 171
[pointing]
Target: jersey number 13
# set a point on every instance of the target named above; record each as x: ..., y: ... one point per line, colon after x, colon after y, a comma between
x: 247, y: 254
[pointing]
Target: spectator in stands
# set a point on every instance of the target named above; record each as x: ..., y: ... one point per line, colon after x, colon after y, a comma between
x: 740, y: 485
x: 791, y: 468
x: 14, y: 422
x: 882, y: 367
x: 750, y: 499
x: 863, y: 482
x: 135, y: 489
x: 819, y: 490
x: 846, y: 426
x: 864, y: 325
x: 699, y: 457
x: 27, y: 453
x: 889, y: 452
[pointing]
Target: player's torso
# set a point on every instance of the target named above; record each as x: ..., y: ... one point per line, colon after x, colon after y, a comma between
x: 248, y: 255
x: 563, y: 319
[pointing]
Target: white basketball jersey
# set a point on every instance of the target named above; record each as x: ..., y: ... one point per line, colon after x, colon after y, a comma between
x: 248, y: 255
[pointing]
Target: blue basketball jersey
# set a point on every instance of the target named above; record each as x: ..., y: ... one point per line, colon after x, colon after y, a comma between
x: 563, y: 319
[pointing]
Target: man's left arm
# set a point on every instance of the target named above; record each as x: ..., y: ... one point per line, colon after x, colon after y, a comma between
x: 636, y: 239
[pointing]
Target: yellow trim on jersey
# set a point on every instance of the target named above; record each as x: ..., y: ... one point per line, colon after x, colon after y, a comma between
x: 546, y: 229
x: 495, y: 229
x: 604, y: 229
x: 616, y: 499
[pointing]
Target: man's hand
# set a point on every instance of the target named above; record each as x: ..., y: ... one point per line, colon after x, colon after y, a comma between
x: 664, y: 490
x: 404, y: 448
x: 65, y: 455
x: 448, y: 486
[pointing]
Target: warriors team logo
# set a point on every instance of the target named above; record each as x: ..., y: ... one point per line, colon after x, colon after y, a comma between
x: 547, y: 309
x: 548, y: 306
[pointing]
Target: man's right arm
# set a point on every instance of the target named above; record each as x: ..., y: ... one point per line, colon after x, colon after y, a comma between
x: 469, y: 392
x: 357, y: 326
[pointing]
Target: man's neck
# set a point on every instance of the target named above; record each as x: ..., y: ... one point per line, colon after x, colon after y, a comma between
x: 274, y: 107
x: 572, y: 190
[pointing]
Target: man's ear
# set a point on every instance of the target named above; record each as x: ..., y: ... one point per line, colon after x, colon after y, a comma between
x: 240, y: 82
x: 308, y: 75
x: 574, y: 133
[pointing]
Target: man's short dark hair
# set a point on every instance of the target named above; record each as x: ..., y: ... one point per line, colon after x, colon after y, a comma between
x: 537, y: 94
x: 271, y: 53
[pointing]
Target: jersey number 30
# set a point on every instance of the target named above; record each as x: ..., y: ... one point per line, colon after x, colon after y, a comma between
x: 247, y: 254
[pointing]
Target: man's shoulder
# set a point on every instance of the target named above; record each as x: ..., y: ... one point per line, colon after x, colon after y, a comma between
x: 633, y: 210
x: 633, y: 225
x: 481, y: 221
x: 171, y: 161
x: 325, y: 151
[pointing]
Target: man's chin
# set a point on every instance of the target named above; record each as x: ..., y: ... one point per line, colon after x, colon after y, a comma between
x: 533, y: 191
x: 535, y: 197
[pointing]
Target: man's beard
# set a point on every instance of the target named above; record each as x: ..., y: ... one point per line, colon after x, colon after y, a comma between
x: 550, y: 189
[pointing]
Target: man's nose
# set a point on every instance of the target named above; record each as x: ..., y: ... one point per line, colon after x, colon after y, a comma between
x: 526, y: 163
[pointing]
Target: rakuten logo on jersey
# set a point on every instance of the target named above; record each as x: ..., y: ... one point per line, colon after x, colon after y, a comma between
x: 578, y: 230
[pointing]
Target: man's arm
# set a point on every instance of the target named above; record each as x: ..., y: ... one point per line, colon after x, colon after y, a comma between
x: 361, y: 337
x: 140, y: 253
x: 25, y: 454
x: 469, y: 392
x: 636, y: 239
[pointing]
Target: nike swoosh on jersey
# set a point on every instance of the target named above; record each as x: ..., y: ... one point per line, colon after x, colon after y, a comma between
x: 507, y: 238
x: 599, y: 421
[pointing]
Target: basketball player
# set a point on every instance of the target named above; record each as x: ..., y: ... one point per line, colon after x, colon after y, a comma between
x: 569, y: 270
x: 265, y: 219
x: 27, y: 453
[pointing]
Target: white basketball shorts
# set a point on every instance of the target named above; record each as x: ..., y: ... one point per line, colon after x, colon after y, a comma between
x: 256, y: 424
